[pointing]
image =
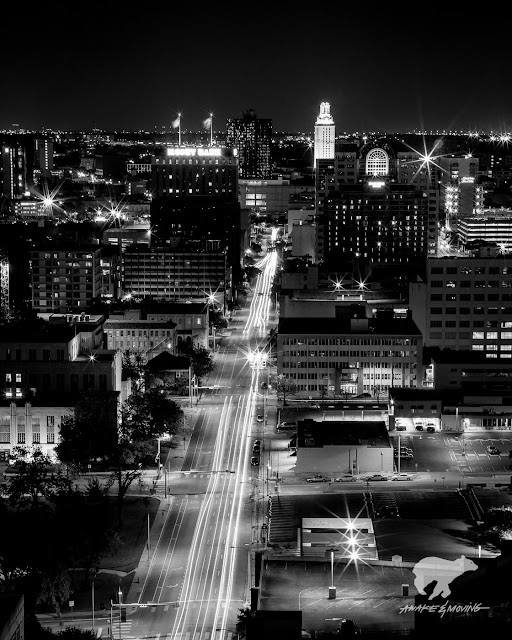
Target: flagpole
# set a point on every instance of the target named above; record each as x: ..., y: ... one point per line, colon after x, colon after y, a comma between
x: 211, y: 129
x: 179, y: 130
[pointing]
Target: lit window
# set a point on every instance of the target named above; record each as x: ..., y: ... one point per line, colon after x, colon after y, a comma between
x: 492, y: 335
x: 478, y: 335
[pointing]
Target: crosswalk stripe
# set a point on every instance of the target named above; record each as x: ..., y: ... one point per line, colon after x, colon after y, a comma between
x: 206, y: 635
x: 187, y: 635
x: 196, y: 635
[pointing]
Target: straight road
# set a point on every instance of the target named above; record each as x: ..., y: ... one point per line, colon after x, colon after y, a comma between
x: 198, y: 576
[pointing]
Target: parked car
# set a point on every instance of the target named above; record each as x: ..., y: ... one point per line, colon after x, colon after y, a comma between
x: 404, y: 455
x: 400, y: 427
x: 255, y: 460
x: 431, y: 429
x: 314, y: 406
x: 264, y: 385
x: 419, y: 427
x: 256, y: 447
x: 401, y: 477
x: 364, y: 395
x: 259, y: 418
x: 346, y: 477
x: 317, y: 478
x: 293, y: 453
x: 492, y: 450
x: 376, y: 477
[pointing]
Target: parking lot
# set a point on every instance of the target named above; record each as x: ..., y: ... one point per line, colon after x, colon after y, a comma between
x: 371, y: 596
x: 466, y: 453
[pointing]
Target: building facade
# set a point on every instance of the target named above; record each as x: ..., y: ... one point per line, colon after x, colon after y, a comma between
x: 195, y: 171
x: 251, y: 136
x: 167, y: 274
x: 65, y: 278
x: 325, y: 134
x: 465, y: 303
x: 349, y: 355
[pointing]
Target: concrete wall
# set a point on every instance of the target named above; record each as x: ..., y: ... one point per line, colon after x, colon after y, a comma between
x: 336, y: 459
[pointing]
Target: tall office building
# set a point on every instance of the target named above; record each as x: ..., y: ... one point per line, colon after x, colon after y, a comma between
x: 195, y: 171
x: 465, y: 302
x: 44, y: 156
x: 324, y: 134
x: 16, y: 172
x: 251, y: 136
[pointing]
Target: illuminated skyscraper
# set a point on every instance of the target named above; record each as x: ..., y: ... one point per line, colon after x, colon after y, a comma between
x: 324, y: 134
x: 251, y: 136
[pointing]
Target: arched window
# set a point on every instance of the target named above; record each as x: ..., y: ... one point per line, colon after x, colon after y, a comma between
x: 377, y: 163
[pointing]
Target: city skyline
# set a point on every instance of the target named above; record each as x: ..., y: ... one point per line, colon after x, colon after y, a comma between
x: 379, y: 70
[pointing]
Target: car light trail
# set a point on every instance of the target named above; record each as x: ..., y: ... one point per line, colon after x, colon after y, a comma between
x: 204, y: 603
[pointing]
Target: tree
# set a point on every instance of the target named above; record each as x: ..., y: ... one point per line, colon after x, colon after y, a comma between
x: 496, y: 525
x: 133, y: 366
x: 151, y: 414
x: 35, y: 479
x: 243, y: 619
x: 285, y: 385
x: 55, y: 588
x: 201, y: 359
x: 217, y: 320
x: 91, y: 434
x: 127, y: 446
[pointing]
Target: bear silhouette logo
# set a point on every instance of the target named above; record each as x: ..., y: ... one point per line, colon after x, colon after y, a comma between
x: 442, y: 571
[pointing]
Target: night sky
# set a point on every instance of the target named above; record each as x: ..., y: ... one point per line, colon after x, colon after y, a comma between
x: 383, y: 67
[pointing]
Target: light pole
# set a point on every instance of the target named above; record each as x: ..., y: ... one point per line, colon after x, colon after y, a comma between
x: 332, y: 588
x: 92, y: 596
x: 120, y: 594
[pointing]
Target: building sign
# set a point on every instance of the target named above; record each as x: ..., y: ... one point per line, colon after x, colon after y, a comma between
x: 193, y: 151
x: 468, y: 179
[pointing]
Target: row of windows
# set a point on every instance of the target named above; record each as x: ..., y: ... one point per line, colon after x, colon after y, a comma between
x: 467, y: 297
x: 350, y: 341
x: 477, y: 284
x: 140, y: 332
x: 46, y: 354
x: 335, y: 354
x: 494, y: 270
x: 467, y: 324
x: 468, y: 310
x: 347, y: 365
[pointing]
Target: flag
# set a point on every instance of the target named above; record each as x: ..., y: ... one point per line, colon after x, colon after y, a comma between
x: 176, y: 123
x: 207, y: 123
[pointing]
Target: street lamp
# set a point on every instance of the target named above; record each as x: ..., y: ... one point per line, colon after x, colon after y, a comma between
x: 332, y: 588
x: 92, y: 596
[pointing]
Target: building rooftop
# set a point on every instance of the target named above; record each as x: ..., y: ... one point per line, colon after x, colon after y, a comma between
x: 377, y: 326
x: 166, y: 360
x: 312, y: 433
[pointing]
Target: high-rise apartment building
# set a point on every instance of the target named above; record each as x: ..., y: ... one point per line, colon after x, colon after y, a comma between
x: 324, y: 134
x: 65, y: 278
x: 251, y: 136
x: 378, y: 202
